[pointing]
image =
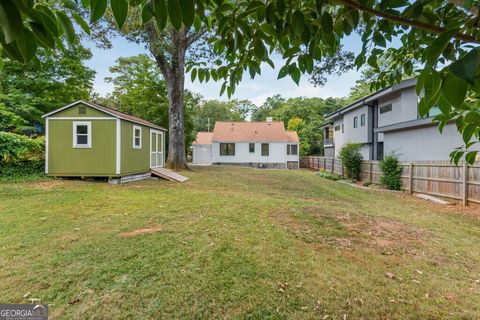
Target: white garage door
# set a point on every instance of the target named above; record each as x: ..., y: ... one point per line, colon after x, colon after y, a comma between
x: 202, y: 154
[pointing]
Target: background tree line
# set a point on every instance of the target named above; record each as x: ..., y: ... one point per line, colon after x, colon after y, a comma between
x: 50, y: 81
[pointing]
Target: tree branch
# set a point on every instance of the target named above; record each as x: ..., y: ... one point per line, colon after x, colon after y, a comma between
x: 407, y: 22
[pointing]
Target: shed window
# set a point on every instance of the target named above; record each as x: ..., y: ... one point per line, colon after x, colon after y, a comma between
x: 227, y: 149
x: 82, y: 135
x: 251, y: 147
x: 292, y: 149
x: 265, y: 149
x: 355, y: 122
x: 362, y: 120
x: 137, y: 137
x: 82, y: 110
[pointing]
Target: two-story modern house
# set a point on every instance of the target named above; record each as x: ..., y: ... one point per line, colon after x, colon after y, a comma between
x: 388, y: 121
x: 256, y: 144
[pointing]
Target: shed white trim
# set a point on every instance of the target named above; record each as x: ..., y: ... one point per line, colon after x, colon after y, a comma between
x: 46, y: 145
x: 83, y: 118
x: 134, y: 145
x: 75, y: 134
x: 118, y: 147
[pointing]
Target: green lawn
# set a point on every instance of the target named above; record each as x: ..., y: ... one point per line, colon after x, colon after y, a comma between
x: 236, y: 243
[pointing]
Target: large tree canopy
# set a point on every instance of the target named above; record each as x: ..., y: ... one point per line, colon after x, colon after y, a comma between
x: 439, y: 41
x: 50, y: 81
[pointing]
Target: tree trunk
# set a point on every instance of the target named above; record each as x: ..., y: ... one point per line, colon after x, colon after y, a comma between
x: 174, y: 73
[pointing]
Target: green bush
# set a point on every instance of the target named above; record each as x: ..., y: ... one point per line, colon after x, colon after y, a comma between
x: 21, y: 156
x: 351, y: 160
x: 391, y: 172
x: 329, y: 176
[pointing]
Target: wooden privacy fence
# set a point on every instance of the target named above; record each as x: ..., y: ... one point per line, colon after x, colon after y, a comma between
x: 438, y: 178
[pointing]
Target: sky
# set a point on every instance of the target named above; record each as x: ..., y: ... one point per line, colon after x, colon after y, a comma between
x: 257, y: 90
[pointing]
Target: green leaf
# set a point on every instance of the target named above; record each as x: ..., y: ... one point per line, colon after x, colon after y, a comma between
x: 97, y: 9
x: 67, y: 26
x: 222, y: 89
x: 295, y: 74
x: 120, y: 11
x: 147, y: 12
x: 468, y: 132
x: 26, y: 44
x: 81, y: 23
x: 467, y: 67
x: 43, y: 15
x: 472, y: 117
x: 470, y: 157
x: 188, y: 12
x: 454, y: 90
x: 42, y: 35
x: 326, y: 22
x: 193, y: 74
x: 439, y: 45
x: 283, y: 72
x: 298, y: 22
x: 160, y: 12
x: 259, y: 48
x: 10, y: 20
x: 379, y: 40
x: 175, y: 13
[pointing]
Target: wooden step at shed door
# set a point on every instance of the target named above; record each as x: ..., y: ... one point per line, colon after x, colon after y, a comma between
x: 168, y: 174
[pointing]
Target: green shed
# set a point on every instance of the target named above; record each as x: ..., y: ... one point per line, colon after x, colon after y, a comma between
x: 88, y: 140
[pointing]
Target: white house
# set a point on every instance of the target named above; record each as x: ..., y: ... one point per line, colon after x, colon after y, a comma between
x: 388, y: 121
x: 255, y: 144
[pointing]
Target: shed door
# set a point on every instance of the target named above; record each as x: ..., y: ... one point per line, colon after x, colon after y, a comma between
x: 156, y: 149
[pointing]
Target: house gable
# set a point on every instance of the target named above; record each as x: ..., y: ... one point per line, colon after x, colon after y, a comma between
x: 80, y: 110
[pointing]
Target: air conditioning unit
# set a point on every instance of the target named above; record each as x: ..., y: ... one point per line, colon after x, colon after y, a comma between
x: 269, y: 119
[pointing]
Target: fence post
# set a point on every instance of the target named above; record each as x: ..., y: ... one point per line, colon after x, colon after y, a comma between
x: 333, y: 165
x: 370, y: 169
x: 324, y: 164
x: 465, y: 183
x: 410, y: 179
x: 341, y: 168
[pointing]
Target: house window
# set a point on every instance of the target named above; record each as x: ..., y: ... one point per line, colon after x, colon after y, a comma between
x: 251, y: 147
x: 337, y: 128
x: 227, y: 149
x: 362, y: 120
x: 434, y: 110
x: 82, y: 135
x: 292, y: 149
x: 137, y: 137
x: 386, y: 108
x: 265, y: 149
x: 355, y: 122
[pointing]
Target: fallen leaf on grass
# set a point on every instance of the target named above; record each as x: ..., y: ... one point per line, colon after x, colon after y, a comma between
x: 390, y: 275
x: 450, y: 297
x: 26, y: 294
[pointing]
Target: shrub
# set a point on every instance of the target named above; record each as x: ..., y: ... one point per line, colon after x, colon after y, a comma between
x: 391, y: 172
x: 20, y: 156
x: 351, y: 160
x: 329, y: 176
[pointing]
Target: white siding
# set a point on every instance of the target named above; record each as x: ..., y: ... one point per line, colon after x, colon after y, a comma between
x: 277, y: 154
x: 404, y: 107
x: 202, y: 154
x: 425, y: 143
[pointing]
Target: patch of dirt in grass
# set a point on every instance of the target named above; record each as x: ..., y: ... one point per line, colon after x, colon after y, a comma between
x: 386, y: 235
x: 46, y: 185
x: 138, y: 232
x: 349, y: 232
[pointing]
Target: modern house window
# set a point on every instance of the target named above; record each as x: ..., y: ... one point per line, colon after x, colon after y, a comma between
x: 435, y: 110
x: 265, y: 149
x: 386, y: 108
x: 362, y: 120
x: 355, y: 122
x: 227, y: 149
x: 292, y: 149
x: 137, y: 137
x: 251, y: 147
x: 82, y: 135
